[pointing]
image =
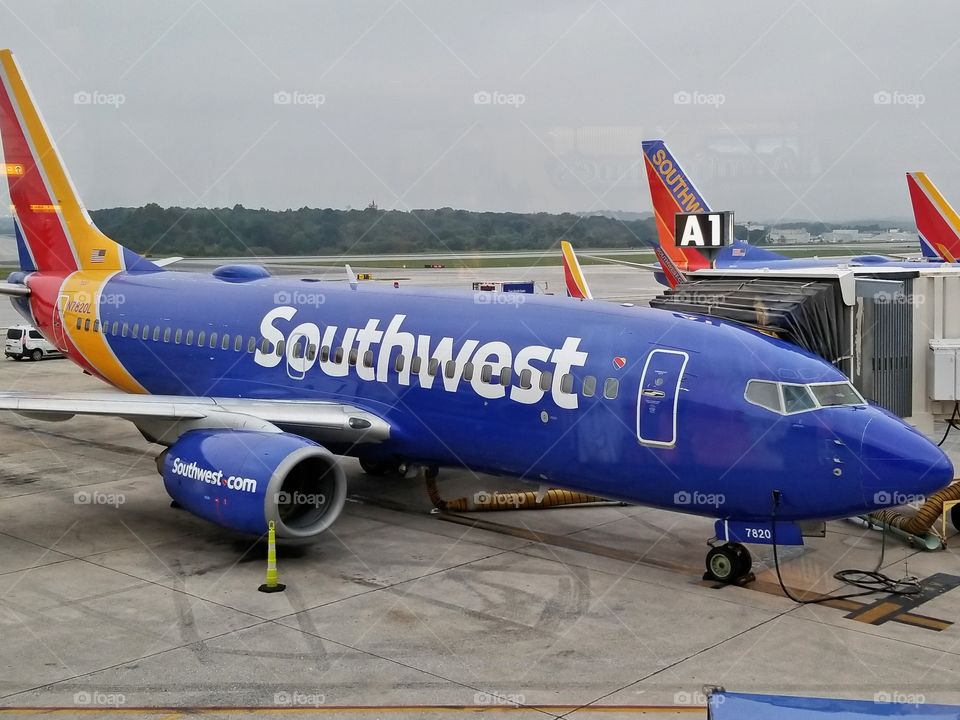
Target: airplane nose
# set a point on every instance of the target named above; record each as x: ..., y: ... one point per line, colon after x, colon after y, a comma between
x: 900, y: 465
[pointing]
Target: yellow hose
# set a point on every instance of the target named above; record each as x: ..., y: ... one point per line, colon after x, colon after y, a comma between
x: 519, y: 500
x: 925, y: 517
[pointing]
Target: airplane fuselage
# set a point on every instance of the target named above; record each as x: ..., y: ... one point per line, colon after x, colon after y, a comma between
x: 640, y: 405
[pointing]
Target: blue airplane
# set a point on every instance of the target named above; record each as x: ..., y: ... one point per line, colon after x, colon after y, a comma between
x: 256, y: 384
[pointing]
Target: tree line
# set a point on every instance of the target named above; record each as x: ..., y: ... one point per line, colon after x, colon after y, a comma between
x: 195, y: 232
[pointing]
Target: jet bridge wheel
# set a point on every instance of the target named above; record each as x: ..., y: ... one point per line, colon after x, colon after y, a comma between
x: 728, y: 563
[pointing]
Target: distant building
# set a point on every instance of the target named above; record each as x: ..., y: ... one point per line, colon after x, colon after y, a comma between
x: 789, y: 236
x: 841, y: 236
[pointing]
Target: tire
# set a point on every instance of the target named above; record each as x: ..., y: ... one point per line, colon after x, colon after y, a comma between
x: 723, y: 564
x: 744, y: 560
x: 379, y: 468
x: 955, y: 517
x: 36, y: 355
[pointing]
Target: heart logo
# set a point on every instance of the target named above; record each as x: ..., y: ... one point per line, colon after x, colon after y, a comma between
x: 619, y: 362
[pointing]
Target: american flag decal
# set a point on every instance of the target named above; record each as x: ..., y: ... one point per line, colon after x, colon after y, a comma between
x: 739, y: 252
x: 98, y: 255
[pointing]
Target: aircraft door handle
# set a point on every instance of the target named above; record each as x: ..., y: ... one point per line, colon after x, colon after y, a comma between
x: 654, y: 393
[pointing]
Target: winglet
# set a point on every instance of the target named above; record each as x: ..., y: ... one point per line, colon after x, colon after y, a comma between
x: 573, y: 275
x: 938, y: 224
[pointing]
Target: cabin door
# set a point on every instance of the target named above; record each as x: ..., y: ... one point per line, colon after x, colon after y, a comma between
x: 659, y: 394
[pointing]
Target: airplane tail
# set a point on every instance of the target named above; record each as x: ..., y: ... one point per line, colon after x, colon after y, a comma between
x: 54, y: 231
x: 672, y: 192
x: 572, y: 274
x: 672, y: 275
x: 937, y: 222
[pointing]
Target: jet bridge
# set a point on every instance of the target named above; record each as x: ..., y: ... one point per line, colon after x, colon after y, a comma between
x: 888, y: 329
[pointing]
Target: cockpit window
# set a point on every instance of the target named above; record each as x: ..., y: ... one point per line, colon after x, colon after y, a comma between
x: 765, y: 394
x: 832, y: 394
x: 796, y: 398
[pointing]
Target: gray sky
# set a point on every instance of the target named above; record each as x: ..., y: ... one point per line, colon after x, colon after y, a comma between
x: 772, y: 107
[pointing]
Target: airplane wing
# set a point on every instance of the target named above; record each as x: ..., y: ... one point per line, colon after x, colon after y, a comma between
x: 164, y: 417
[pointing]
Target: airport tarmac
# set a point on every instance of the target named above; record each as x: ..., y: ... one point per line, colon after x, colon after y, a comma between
x: 113, y: 603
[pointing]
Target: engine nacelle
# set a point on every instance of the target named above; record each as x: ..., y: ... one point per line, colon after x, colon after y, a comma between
x: 244, y: 479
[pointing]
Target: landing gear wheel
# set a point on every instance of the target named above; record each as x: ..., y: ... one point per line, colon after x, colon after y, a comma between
x: 744, y: 561
x: 728, y: 563
x: 955, y: 517
x: 379, y: 467
x: 36, y: 355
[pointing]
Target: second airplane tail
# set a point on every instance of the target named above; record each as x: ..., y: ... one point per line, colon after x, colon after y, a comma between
x: 937, y: 222
x: 54, y: 231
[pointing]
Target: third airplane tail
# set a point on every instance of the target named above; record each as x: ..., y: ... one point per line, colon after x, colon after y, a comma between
x: 937, y: 222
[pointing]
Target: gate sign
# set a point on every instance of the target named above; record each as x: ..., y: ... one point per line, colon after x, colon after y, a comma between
x: 703, y: 230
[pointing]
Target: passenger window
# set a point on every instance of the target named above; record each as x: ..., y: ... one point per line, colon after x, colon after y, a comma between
x: 225, y: 342
x: 398, y: 363
x: 79, y: 323
x: 86, y: 325
x: 450, y: 368
x: 124, y: 330
x: 368, y: 359
x: 136, y: 330
x: 166, y: 334
x: 265, y: 346
x: 352, y: 358
x: 763, y: 393
x: 324, y: 353
x: 96, y: 326
x: 506, y: 375
x: 526, y: 379
x: 201, y: 338
x: 238, y: 344
x: 486, y: 372
x: 156, y: 333
x: 178, y: 336
x: 467, y: 372
x: 589, y: 386
x: 189, y: 340
x: 611, y: 387
x: 566, y: 383
x: 432, y: 367
x: 252, y: 345
x: 144, y: 332
x: 338, y: 355
x: 311, y: 350
x: 280, y: 347
x: 415, y: 364
x: 36, y: 335
x: 213, y: 340
x: 115, y: 329
x: 546, y: 380
x: 298, y: 347
x: 796, y: 398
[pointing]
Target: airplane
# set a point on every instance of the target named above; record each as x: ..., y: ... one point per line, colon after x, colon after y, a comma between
x: 255, y: 385
x: 938, y: 225
x: 672, y: 192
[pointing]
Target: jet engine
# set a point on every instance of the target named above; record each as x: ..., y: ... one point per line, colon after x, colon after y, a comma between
x: 244, y: 479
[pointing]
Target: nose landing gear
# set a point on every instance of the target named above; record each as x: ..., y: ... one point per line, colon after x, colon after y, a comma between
x: 729, y: 563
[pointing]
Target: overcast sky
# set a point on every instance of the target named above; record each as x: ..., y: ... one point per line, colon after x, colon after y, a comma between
x: 773, y: 107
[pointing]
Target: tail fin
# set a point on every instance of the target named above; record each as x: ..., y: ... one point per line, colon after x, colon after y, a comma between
x: 572, y: 274
x: 58, y: 234
x: 937, y: 223
x: 672, y: 192
x: 671, y: 273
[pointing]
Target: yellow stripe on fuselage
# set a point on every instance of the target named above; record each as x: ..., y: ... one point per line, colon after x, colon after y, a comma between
x: 80, y: 300
x: 938, y: 200
x: 84, y: 236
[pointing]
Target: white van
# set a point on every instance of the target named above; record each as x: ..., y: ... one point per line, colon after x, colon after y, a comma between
x: 25, y: 341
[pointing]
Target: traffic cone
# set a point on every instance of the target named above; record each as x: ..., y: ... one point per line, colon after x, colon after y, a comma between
x: 271, y: 585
